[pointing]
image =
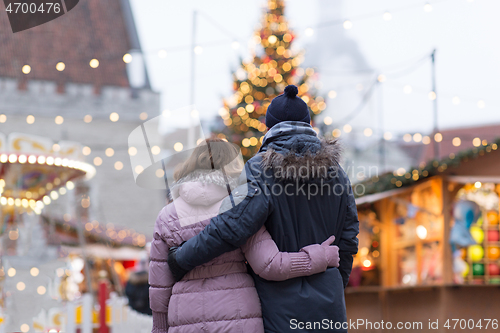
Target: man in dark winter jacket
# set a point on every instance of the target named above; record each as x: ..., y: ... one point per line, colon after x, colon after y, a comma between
x: 297, y: 189
x: 137, y: 289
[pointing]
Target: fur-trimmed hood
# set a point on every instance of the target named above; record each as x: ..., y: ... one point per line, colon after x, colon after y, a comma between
x: 203, y: 187
x: 293, y: 166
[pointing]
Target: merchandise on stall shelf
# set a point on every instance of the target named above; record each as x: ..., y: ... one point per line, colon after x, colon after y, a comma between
x: 477, y: 234
x: 475, y: 253
x: 495, y: 281
x: 465, y: 271
x: 492, y: 217
x: 483, y: 257
x: 466, y: 213
x: 493, y: 252
x: 494, y: 269
x: 477, y: 269
x: 493, y: 236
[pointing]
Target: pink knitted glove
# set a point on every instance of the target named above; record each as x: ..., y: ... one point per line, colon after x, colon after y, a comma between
x: 332, y: 252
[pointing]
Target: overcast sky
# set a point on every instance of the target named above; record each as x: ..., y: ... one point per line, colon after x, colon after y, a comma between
x: 464, y: 33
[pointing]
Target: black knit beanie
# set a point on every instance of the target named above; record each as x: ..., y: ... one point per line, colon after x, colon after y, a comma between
x: 287, y: 107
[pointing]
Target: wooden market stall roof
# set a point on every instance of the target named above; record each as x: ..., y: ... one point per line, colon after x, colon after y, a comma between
x: 402, y: 178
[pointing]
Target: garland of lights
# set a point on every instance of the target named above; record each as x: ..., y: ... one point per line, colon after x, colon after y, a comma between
x: 401, y: 177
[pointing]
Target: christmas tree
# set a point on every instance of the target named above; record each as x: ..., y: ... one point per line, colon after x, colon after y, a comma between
x: 257, y: 82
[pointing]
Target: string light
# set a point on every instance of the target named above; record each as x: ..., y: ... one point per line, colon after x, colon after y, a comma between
x: 476, y: 142
x: 457, y: 142
x: 86, y: 150
x: 118, y: 165
x: 132, y: 151
x: 426, y: 140
x: 26, y: 69
x: 159, y: 173
x: 139, y: 169
x: 387, y: 136
x: 381, y: 78
x: 428, y: 7
x: 162, y: 54
x: 11, y: 272
x: 41, y: 290
x: 332, y: 94
x: 407, y: 137
x: 368, y: 132
x: 109, y: 152
x: 60, y: 66
x: 143, y: 116
x: 155, y: 150
x: 432, y: 95
x: 417, y: 137
x: 328, y: 120
x: 114, y: 117
x: 347, y: 24
x: 30, y: 119
x: 97, y: 161
x: 87, y: 118
x: 127, y: 58
x: 438, y: 137
x: 347, y: 128
x: 94, y: 63
x: 235, y: 45
x: 178, y: 146
x: 387, y: 16
x: 309, y: 32
x: 59, y: 120
x: 198, y: 50
x: 3, y: 118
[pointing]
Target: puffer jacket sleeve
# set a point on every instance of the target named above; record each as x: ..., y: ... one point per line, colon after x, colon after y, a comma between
x: 269, y: 263
x: 229, y: 230
x: 348, y: 244
x: 161, y: 279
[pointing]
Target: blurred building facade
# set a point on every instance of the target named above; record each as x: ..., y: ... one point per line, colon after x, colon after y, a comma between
x: 74, y: 68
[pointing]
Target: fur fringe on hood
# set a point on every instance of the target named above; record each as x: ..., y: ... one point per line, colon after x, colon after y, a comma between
x: 204, y: 176
x: 295, y: 167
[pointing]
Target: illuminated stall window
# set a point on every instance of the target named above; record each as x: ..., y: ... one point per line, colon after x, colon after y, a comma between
x: 479, y: 262
x: 418, y: 233
x: 366, y: 264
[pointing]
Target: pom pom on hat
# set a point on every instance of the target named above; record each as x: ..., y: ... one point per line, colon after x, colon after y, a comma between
x: 291, y: 91
x: 287, y: 107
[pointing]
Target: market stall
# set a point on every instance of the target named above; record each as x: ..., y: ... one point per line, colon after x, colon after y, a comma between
x: 439, y: 249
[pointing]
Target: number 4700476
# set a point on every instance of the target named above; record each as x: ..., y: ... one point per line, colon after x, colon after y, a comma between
x: 471, y: 324
x: 25, y: 8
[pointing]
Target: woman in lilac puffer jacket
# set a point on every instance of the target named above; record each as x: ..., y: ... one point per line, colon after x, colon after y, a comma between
x: 219, y: 296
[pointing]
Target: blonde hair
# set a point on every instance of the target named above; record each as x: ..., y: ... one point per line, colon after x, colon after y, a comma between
x: 211, y: 154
